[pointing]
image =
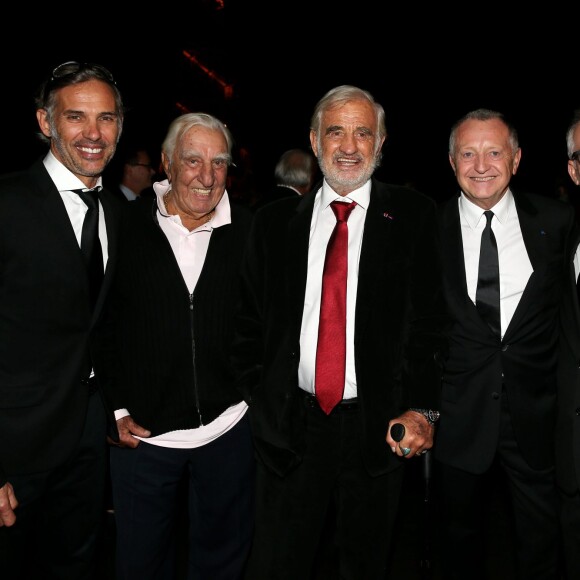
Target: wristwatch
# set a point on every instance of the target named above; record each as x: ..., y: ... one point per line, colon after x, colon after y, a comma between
x: 429, y: 414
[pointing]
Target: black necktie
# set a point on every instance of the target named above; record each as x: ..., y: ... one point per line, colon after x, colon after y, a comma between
x: 90, y: 243
x: 487, y: 294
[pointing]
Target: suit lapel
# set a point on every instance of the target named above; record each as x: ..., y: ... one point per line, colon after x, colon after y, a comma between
x: 296, y: 255
x: 453, y: 261
x: 571, y: 305
x: 111, y: 222
x: 534, y: 234
x: 380, y: 225
x: 453, y: 258
x: 378, y: 231
x: 50, y: 200
x: 56, y: 216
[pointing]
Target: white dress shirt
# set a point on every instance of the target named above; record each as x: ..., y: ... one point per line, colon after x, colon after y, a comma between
x: 76, y: 208
x: 128, y: 193
x: 577, y: 262
x: 322, y: 224
x: 515, y: 267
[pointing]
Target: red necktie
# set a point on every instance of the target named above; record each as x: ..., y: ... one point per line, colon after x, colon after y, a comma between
x: 331, y: 350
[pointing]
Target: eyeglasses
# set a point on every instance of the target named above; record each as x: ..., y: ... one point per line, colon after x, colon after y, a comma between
x: 72, y: 67
x: 575, y: 155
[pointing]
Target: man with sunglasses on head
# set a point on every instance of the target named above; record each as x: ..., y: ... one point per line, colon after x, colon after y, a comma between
x: 53, y: 450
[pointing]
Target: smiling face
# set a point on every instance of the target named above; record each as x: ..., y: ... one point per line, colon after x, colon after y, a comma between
x: 574, y: 164
x: 347, y: 145
x: 198, y: 172
x: 484, y: 161
x: 84, y: 129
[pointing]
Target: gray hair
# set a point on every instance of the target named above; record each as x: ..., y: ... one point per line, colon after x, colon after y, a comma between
x: 295, y: 167
x: 182, y: 124
x: 570, y: 146
x: 342, y: 94
x: 483, y: 115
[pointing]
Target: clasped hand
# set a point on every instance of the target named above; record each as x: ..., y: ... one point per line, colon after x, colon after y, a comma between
x: 128, y: 433
x: 8, y: 503
x: 418, y: 437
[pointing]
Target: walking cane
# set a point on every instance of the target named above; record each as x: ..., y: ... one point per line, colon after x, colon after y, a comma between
x: 397, y: 433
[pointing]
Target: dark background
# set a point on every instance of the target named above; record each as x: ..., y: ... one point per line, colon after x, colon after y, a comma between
x: 427, y: 67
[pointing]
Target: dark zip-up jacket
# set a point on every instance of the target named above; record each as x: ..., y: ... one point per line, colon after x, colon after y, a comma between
x: 167, y: 353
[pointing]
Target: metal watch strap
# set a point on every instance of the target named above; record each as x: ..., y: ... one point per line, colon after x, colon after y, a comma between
x: 429, y: 414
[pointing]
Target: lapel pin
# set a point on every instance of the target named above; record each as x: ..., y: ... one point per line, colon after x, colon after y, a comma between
x: 388, y: 215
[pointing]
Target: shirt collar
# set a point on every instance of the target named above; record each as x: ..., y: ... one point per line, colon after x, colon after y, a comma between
x: 223, y: 212
x: 362, y: 195
x: 128, y: 192
x: 291, y: 187
x: 64, y: 179
x: 473, y: 213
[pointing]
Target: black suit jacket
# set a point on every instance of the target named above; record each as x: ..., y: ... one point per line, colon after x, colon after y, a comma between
x: 398, y: 327
x: 568, y: 424
x: 116, y: 191
x: 46, y: 323
x: 276, y: 193
x: 524, y: 361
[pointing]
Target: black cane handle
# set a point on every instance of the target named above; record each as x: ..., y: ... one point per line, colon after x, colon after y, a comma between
x: 397, y: 431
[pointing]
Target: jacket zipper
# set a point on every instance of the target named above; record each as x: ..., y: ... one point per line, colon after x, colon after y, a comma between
x: 196, y: 391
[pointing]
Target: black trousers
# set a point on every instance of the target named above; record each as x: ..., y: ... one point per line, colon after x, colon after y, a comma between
x: 60, y: 514
x: 462, y: 502
x: 291, y: 512
x: 148, y: 485
x: 570, y: 521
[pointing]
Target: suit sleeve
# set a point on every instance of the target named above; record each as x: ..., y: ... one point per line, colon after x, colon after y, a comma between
x: 247, y: 347
x: 426, y: 344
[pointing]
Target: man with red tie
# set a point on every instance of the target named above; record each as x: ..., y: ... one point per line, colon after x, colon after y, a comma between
x: 339, y: 336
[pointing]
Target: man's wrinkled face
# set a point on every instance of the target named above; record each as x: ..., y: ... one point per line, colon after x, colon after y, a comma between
x: 347, y: 147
